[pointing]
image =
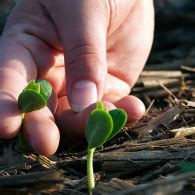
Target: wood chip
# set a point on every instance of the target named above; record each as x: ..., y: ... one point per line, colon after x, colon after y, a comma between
x: 163, y: 119
x: 187, y: 68
x: 44, y: 181
x: 183, y: 131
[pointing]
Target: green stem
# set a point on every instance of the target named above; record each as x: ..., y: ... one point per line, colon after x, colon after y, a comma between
x: 22, y: 115
x: 21, y: 140
x: 90, y: 174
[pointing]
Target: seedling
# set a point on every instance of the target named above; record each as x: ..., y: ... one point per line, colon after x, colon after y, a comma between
x: 33, y: 97
x: 101, y: 126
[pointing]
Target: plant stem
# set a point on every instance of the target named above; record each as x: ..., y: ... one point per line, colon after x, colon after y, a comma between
x: 22, y: 115
x: 21, y: 140
x: 90, y: 174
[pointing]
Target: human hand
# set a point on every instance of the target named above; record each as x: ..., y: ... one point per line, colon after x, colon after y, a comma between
x: 104, y: 44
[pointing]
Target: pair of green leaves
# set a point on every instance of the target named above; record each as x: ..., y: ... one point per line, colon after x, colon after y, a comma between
x: 34, y: 96
x: 103, y: 125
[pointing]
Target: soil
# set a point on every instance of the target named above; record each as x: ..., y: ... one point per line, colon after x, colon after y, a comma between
x: 153, y: 156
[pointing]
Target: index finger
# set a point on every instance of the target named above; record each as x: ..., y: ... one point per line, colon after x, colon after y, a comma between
x: 16, y: 68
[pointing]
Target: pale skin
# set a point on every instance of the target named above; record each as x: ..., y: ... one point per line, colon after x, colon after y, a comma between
x: 104, y: 44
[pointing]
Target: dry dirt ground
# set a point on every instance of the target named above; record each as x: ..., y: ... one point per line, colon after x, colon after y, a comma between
x: 155, y: 155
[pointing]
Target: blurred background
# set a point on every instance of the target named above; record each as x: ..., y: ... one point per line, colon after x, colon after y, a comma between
x: 5, y: 8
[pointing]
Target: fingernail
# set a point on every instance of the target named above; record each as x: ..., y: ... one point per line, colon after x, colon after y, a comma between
x: 83, y: 94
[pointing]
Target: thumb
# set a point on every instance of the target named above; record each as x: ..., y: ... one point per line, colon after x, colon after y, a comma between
x: 82, y: 25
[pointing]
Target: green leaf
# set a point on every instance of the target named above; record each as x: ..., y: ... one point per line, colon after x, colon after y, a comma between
x: 188, y: 167
x: 35, y: 95
x: 119, y: 118
x: 33, y: 86
x: 98, y: 128
x: 100, y: 105
x: 30, y: 100
x: 45, y: 88
x: 30, y: 85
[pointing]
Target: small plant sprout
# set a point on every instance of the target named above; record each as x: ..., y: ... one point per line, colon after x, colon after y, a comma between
x: 101, y: 126
x: 33, y: 97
